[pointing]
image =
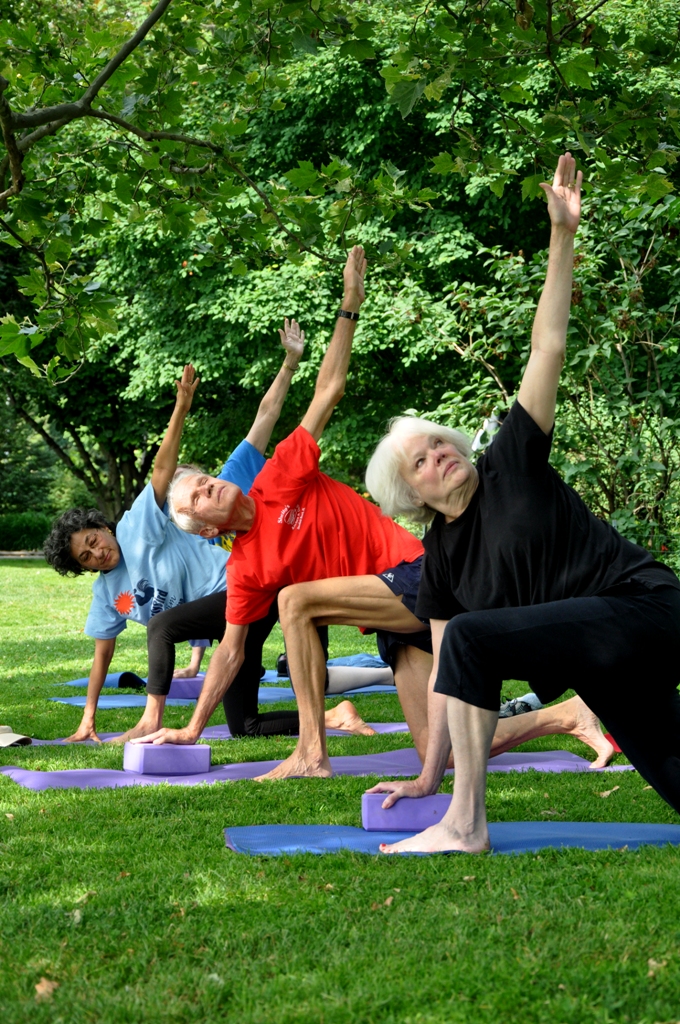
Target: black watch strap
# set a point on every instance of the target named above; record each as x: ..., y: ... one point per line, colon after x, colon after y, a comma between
x: 347, y: 315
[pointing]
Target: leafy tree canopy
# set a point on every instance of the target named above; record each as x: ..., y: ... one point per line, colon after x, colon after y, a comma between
x: 122, y: 113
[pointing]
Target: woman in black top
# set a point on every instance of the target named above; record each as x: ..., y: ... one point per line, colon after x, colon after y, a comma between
x: 521, y: 581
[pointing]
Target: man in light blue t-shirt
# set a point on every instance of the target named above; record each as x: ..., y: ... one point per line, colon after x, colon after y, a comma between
x: 147, y: 566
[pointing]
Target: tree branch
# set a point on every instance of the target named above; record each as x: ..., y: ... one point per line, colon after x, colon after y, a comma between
x: 47, y: 438
x: 13, y: 155
x: 78, y: 108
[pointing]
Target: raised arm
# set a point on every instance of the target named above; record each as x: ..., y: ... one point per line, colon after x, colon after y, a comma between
x: 222, y: 670
x: 165, y: 462
x: 330, y: 383
x: 293, y: 340
x: 538, y: 390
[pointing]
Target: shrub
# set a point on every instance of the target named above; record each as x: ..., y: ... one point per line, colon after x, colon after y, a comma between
x: 23, y: 531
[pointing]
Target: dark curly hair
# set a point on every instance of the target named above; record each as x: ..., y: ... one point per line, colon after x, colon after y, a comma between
x: 57, y: 548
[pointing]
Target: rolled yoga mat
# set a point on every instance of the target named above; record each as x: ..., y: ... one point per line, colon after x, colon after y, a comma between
x: 392, y: 764
x: 506, y: 837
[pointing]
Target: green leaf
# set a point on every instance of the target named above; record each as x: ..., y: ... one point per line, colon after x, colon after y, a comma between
x: 357, y: 48
x: 302, y: 176
x: 301, y: 41
x: 236, y: 127
x: 443, y: 164
x: 364, y: 29
x: 530, y: 186
x: 656, y: 186
x: 30, y: 364
x: 406, y: 94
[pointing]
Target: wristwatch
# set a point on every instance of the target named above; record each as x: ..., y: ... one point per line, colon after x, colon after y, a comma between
x: 347, y: 315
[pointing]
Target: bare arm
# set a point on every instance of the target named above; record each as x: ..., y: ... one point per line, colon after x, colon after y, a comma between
x: 165, y: 462
x: 224, y: 665
x: 293, y: 340
x: 330, y: 383
x: 438, y: 739
x: 103, y: 654
x: 538, y: 390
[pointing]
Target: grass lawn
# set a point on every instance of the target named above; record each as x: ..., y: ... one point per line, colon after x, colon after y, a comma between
x: 129, y: 901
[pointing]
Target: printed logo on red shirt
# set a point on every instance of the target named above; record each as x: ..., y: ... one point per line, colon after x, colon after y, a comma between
x: 292, y: 516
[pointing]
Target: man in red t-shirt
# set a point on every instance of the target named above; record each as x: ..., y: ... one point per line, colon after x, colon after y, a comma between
x: 298, y: 525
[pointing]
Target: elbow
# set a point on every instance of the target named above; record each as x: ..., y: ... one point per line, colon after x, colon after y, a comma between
x: 332, y: 394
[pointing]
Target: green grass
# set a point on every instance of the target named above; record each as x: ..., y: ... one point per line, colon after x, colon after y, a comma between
x: 129, y: 900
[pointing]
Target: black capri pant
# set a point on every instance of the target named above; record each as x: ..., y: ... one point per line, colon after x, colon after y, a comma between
x: 206, y: 618
x: 620, y: 652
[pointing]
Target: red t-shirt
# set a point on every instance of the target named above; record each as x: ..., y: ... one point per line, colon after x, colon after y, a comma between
x: 307, y: 527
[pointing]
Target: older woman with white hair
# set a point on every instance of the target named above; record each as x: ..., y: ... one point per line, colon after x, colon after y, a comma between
x: 520, y: 580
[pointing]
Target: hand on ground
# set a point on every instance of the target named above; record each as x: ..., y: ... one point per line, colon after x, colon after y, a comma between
x: 564, y: 195
x: 167, y: 736
x: 396, y: 790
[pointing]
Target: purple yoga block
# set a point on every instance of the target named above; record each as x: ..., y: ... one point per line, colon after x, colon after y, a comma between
x: 407, y: 815
x: 166, y: 759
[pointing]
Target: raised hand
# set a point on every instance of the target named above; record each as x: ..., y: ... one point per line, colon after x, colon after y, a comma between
x: 564, y: 195
x: 353, y: 276
x: 293, y: 340
x: 186, y: 387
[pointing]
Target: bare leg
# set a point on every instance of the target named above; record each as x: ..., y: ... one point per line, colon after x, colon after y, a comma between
x: 151, y: 720
x: 411, y: 676
x: 463, y: 827
x: 346, y: 600
x: 571, y: 717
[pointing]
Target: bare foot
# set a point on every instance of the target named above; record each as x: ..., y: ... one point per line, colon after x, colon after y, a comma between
x: 141, y: 729
x: 441, y: 839
x: 299, y: 764
x: 586, y: 727
x: 346, y: 717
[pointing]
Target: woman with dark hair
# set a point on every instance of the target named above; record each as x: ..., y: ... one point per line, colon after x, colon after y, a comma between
x: 521, y: 581
x: 152, y: 573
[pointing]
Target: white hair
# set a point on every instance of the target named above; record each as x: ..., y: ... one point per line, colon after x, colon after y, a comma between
x: 190, y: 524
x: 383, y: 474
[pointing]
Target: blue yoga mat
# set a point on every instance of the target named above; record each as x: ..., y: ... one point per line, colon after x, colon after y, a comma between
x: 506, y: 837
x: 128, y: 680
x: 267, y: 695
x: 108, y: 701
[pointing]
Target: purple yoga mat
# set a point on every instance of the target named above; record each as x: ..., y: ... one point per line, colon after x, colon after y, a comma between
x: 221, y: 732
x: 395, y: 763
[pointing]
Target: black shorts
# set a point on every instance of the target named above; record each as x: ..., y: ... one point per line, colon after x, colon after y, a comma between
x: 403, y: 580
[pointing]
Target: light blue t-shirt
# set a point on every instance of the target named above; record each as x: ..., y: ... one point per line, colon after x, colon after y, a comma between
x: 161, y: 566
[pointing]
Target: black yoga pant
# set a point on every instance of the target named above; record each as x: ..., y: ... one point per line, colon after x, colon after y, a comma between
x: 619, y: 651
x: 206, y: 618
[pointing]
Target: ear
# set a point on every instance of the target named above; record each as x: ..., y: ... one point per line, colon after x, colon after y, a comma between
x: 208, y: 532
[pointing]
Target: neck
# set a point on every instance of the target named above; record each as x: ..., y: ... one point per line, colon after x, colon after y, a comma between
x: 242, y: 518
x: 460, y: 500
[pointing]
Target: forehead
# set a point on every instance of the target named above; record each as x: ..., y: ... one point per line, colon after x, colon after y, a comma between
x: 187, y: 484
x: 415, y: 442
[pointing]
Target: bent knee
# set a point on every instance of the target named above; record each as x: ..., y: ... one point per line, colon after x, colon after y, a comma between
x: 293, y: 603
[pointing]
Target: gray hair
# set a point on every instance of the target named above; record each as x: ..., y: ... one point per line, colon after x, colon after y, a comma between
x: 383, y: 474
x: 190, y: 524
